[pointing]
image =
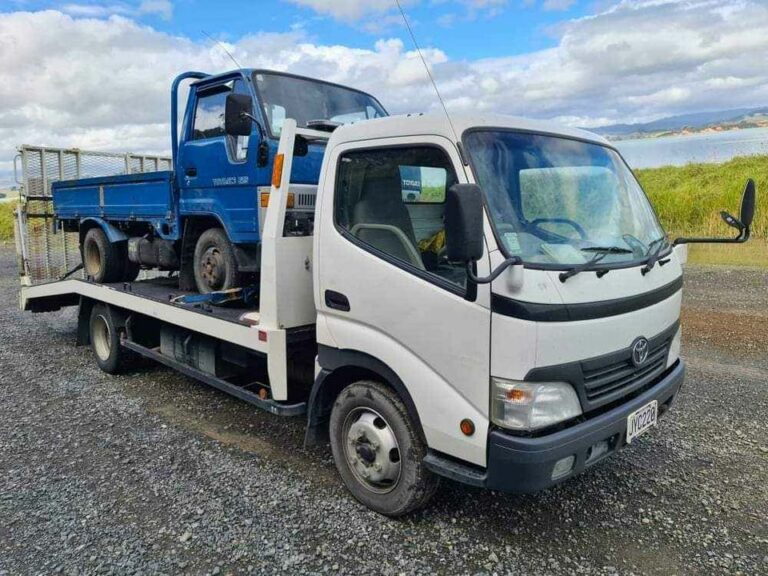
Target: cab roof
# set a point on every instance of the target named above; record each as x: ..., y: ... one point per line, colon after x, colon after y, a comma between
x: 437, y: 125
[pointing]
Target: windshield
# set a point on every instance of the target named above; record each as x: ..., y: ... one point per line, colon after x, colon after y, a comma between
x: 305, y: 100
x: 557, y: 201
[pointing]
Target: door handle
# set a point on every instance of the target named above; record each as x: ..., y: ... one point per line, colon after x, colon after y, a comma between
x: 336, y: 301
x: 191, y: 171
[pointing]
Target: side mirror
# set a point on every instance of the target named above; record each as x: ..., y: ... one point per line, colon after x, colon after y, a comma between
x: 238, y: 115
x: 748, y: 204
x: 464, y: 231
x: 742, y: 224
x: 464, y: 223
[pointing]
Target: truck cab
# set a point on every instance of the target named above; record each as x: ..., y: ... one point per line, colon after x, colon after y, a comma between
x: 204, y: 219
x: 526, y: 309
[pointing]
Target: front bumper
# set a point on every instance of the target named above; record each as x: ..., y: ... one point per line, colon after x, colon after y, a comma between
x: 517, y: 464
x: 520, y: 464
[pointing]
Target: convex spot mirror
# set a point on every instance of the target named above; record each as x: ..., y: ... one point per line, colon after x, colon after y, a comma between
x: 238, y: 115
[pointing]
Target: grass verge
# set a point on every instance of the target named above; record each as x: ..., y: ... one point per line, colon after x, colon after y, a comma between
x: 6, y: 221
x: 688, y: 200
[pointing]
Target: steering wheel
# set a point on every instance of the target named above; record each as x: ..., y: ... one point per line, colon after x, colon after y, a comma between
x: 575, y: 225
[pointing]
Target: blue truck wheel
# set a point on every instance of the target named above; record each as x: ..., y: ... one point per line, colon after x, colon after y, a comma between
x: 215, y: 264
x: 103, y: 260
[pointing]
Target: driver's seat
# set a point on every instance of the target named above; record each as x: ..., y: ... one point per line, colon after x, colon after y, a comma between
x: 382, y: 220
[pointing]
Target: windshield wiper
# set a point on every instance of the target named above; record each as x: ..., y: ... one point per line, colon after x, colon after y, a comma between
x: 653, y: 258
x: 607, y: 249
x: 586, y: 266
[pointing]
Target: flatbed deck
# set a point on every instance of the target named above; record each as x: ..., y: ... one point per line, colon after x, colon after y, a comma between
x: 154, y: 298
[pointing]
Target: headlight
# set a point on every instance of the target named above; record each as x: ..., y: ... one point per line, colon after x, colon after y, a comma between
x: 674, y: 348
x: 532, y: 405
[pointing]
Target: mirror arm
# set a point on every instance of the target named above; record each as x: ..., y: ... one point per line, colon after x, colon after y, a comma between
x: 740, y: 239
x: 513, y: 261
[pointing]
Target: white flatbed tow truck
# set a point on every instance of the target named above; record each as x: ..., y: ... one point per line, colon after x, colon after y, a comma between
x: 510, y: 325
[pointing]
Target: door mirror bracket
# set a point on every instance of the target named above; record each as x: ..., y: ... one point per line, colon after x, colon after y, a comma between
x: 513, y: 261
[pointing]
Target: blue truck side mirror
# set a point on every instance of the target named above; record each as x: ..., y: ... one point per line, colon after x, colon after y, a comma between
x: 238, y: 115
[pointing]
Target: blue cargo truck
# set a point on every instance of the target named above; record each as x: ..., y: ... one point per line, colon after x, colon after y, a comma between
x: 204, y: 217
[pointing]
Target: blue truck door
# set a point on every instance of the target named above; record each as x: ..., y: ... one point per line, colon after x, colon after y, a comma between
x: 219, y: 176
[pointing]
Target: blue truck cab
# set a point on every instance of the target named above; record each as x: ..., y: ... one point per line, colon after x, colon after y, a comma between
x: 202, y: 219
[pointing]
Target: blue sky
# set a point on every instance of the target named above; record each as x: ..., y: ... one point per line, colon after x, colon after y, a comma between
x: 462, y: 29
x: 96, y: 73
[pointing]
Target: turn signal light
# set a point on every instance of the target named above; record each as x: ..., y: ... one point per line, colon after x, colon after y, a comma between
x: 467, y: 427
x: 264, y: 200
x: 517, y: 395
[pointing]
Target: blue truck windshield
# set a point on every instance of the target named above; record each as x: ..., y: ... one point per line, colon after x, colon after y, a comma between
x: 557, y: 201
x: 283, y: 96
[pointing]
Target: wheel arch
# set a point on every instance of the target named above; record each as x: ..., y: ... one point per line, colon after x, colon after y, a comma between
x: 113, y: 234
x: 339, y: 369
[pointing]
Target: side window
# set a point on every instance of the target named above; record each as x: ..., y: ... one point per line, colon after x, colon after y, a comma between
x: 392, y: 200
x: 209, y: 113
x: 209, y: 117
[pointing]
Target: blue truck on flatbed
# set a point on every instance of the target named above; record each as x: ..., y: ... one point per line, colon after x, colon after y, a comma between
x: 202, y: 219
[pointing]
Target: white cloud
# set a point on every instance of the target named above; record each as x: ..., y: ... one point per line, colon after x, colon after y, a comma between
x: 349, y: 10
x: 105, y: 83
x: 162, y: 8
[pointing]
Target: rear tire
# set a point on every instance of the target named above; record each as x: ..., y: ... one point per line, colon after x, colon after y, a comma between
x: 111, y: 357
x: 102, y: 260
x: 215, y: 264
x: 379, y: 452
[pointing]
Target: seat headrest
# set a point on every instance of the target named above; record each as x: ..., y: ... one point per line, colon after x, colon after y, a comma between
x: 382, y: 187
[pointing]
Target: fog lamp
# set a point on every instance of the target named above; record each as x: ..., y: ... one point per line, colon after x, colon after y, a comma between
x: 563, y: 467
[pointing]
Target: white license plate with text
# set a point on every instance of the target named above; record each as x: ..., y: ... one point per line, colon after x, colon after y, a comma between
x: 642, y: 420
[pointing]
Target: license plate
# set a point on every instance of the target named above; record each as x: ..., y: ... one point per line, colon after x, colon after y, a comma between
x: 642, y: 420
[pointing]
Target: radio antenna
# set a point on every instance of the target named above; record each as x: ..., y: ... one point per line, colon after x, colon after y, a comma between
x: 247, y: 81
x: 429, y: 72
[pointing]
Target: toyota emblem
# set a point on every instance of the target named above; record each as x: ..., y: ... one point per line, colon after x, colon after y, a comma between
x: 640, y: 351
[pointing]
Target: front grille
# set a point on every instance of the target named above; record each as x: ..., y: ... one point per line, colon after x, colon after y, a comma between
x: 305, y: 201
x: 618, y: 377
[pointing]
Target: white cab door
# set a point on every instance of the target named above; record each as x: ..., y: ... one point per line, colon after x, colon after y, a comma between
x: 384, y: 288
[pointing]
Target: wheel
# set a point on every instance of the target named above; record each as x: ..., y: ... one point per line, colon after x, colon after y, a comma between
x: 379, y: 451
x: 215, y: 264
x: 105, y: 341
x: 102, y: 259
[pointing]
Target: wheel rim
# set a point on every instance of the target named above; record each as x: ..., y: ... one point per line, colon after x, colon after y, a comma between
x: 101, y: 337
x: 371, y: 450
x: 92, y: 259
x: 213, y: 268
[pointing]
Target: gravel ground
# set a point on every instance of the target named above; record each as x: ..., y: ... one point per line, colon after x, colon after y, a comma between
x: 154, y: 473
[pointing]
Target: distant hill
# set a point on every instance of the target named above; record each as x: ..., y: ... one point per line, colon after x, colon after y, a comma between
x: 720, y: 119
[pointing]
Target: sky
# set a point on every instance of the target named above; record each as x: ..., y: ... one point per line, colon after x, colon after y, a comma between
x: 96, y: 74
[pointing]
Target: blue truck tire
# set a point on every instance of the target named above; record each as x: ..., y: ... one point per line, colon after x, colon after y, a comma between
x: 103, y: 260
x: 215, y: 265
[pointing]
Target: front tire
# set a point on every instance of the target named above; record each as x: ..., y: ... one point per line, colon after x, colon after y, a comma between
x: 215, y: 264
x: 378, y: 450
